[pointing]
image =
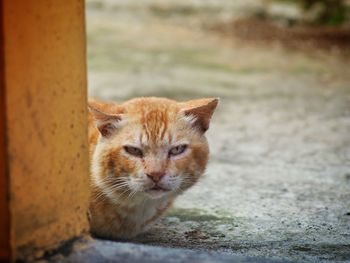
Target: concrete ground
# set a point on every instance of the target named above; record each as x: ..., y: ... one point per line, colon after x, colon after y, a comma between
x: 278, y: 183
x: 109, y: 251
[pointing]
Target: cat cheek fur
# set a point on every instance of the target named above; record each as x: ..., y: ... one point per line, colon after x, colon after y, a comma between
x: 192, y: 167
x: 113, y: 159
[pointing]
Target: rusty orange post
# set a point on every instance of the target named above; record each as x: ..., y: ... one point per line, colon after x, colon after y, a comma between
x: 44, y: 159
x: 5, y: 237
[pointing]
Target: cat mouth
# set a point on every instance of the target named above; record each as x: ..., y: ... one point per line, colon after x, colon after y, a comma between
x: 158, y: 188
x: 156, y: 192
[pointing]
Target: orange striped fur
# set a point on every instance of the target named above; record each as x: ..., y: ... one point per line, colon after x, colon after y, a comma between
x: 143, y: 154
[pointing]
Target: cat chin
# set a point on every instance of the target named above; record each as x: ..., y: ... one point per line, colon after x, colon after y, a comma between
x: 156, y: 194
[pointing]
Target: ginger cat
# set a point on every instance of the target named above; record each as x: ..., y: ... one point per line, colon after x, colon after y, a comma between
x: 143, y: 154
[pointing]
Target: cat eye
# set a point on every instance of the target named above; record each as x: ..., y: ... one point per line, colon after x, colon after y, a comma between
x: 133, y: 151
x: 177, y: 150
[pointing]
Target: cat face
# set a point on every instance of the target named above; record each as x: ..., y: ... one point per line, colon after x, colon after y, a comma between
x: 150, y: 147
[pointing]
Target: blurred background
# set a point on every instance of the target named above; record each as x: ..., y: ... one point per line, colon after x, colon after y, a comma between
x: 278, y: 183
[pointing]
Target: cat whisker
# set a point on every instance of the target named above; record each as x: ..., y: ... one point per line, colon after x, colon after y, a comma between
x: 131, y: 194
x: 124, y: 195
x: 118, y: 189
x: 115, y: 181
x: 100, y: 196
x: 137, y: 181
x: 119, y: 183
x: 111, y: 185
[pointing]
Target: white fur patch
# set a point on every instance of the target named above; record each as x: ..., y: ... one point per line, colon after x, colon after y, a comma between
x: 190, y: 119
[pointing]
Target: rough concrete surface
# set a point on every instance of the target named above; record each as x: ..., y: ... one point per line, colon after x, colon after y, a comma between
x: 109, y: 251
x: 278, y: 183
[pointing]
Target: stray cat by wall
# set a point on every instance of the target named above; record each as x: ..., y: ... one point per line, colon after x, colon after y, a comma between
x: 143, y: 154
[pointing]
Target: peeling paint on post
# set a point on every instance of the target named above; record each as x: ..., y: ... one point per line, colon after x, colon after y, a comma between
x: 45, y: 85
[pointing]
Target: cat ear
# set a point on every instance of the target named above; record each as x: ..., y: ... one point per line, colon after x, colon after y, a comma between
x: 199, y: 112
x: 106, y: 123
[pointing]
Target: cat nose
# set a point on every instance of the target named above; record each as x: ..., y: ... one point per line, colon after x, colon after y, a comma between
x: 155, y: 176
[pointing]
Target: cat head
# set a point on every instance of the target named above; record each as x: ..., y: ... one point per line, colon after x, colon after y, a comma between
x: 150, y: 147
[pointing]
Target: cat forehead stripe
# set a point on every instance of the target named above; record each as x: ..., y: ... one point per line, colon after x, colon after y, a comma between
x: 155, y: 124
